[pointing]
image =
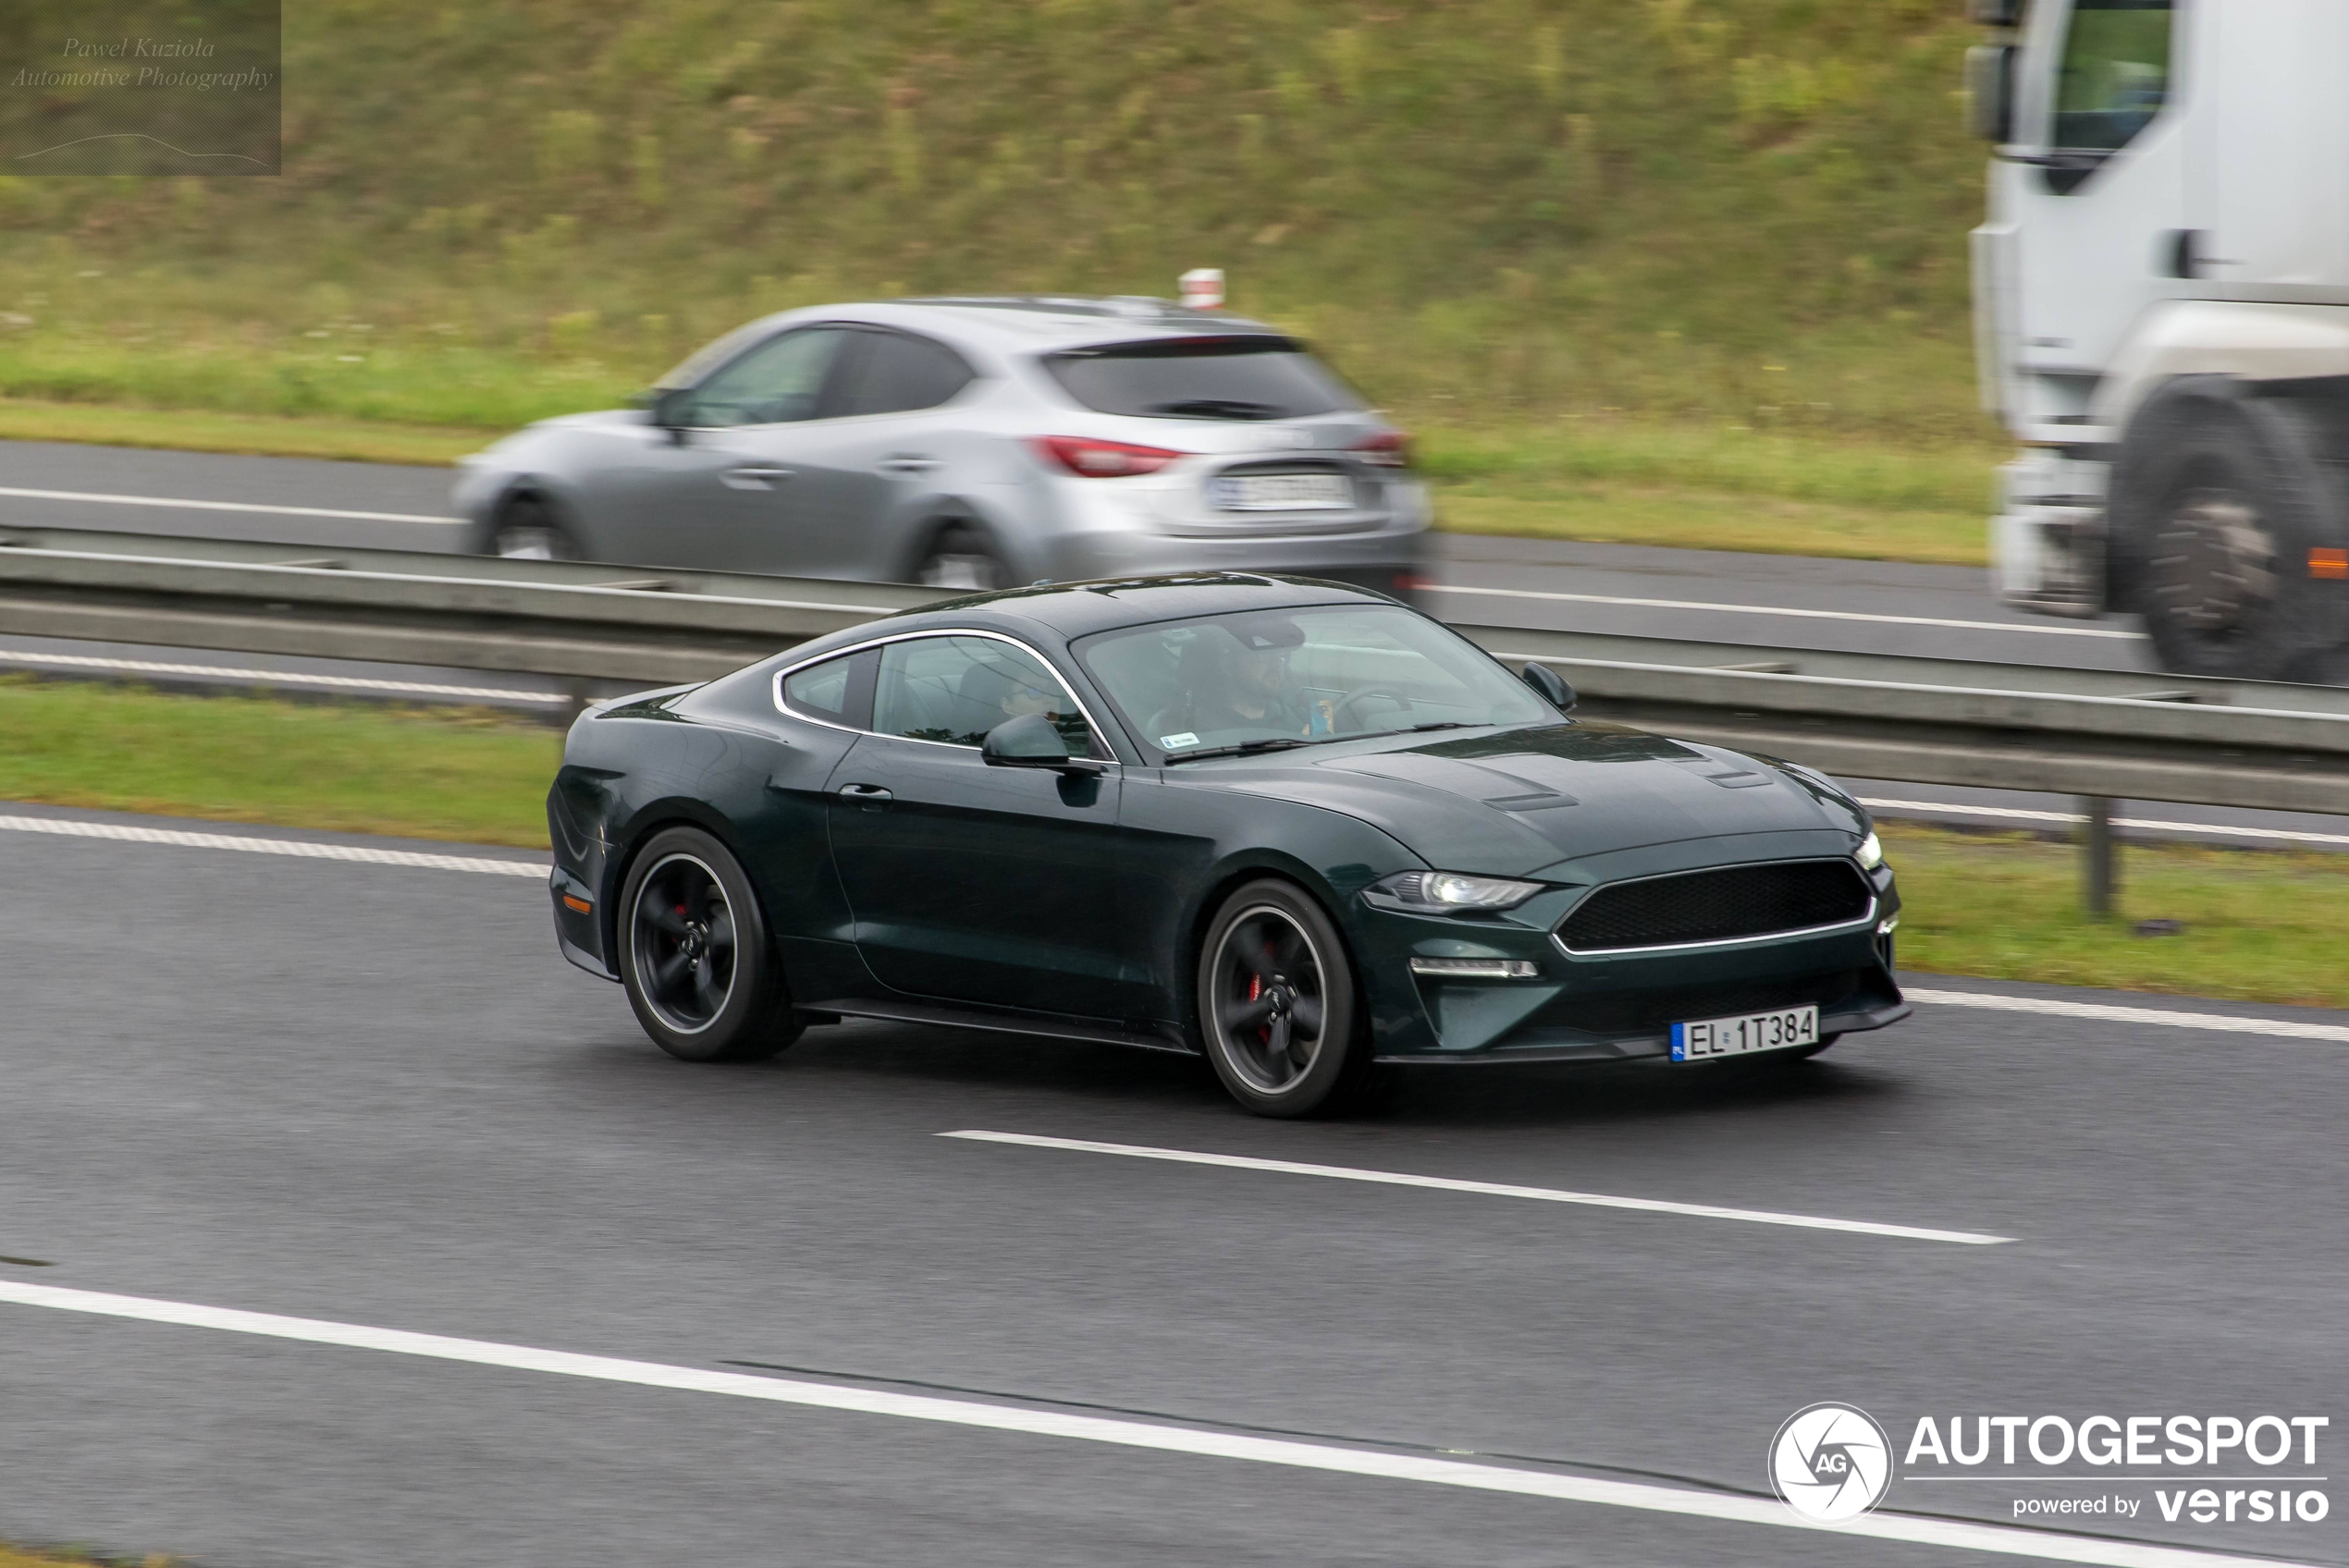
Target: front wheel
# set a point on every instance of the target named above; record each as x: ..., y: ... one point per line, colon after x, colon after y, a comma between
x: 1276, y: 1001
x: 527, y: 529
x: 694, y: 956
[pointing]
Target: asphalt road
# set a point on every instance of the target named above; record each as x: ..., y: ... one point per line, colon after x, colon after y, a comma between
x: 371, y: 1093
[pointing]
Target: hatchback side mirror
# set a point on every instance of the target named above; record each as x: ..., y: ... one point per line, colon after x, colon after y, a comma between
x: 671, y: 408
x: 1551, y: 685
x: 1032, y: 740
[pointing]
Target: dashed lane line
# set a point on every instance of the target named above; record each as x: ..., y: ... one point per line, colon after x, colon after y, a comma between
x: 2159, y: 1017
x: 2045, y: 1546
x: 182, y: 503
x: 1786, y: 610
x: 1486, y: 1189
x: 302, y: 849
x: 274, y: 677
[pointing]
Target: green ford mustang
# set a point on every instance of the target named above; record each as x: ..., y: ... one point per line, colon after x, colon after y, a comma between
x: 1290, y: 824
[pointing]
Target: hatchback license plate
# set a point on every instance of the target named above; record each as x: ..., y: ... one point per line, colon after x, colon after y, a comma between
x: 1284, y: 493
x: 1707, y: 1037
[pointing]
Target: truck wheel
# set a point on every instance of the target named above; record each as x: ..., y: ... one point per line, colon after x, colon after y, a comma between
x: 2217, y: 497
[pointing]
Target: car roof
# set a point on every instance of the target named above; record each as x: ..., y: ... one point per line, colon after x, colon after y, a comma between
x: 1109, y: 604
x: 1007, y: 324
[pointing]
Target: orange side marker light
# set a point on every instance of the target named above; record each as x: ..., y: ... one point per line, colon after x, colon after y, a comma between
x: 2332, y: 565
x: 582, y: 905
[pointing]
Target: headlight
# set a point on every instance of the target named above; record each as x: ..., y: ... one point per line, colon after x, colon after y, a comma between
x: 1445, y: 892
x: 1870, y: 854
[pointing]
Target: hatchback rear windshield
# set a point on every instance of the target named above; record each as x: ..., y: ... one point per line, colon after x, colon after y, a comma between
x: 1253, y: 377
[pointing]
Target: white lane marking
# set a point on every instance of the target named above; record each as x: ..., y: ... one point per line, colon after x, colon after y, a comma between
x: 2164, y: 1018
x: 274, y: 677
x: 1786, y: 610
x: 184, y: 504
x: 1488, y: 1189
x: 302, y: 849
x: 2005, y: 1540
x: 2019, y: 814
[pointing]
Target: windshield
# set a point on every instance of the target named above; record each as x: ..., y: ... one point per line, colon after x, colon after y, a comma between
x: 1253, y: 377
x: 1300, y: 675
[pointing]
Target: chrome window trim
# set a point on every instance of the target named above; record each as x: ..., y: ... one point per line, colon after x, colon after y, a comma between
x: 1094, y: 725
x: 1557, y: 937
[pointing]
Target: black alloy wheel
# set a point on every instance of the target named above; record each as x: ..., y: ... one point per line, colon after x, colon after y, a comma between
x: 1276, y: 1001
x: 694, y: 957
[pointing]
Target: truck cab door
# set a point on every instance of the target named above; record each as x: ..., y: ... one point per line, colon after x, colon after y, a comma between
x: 2093, y: 187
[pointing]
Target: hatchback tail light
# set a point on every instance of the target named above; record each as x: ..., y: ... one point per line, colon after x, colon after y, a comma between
x: 1089, y: 458
x: 1388, y: 449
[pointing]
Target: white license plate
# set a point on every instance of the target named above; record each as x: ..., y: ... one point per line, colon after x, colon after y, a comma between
x: 1283, y: 493
x: 1705, y: 1039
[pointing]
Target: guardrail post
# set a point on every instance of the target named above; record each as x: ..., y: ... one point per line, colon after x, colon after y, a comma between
x: 2099, y: 870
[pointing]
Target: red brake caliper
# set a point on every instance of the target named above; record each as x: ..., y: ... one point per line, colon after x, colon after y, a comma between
x: 1256, y: 989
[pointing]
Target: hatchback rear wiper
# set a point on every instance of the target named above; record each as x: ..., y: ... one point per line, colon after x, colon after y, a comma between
x: 1211, y: 407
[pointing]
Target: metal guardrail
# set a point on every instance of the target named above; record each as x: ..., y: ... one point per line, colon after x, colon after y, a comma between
x: 1933, y: 722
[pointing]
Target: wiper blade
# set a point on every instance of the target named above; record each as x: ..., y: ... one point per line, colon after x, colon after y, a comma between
x: 1231, y: 408
x: 1245, y: 749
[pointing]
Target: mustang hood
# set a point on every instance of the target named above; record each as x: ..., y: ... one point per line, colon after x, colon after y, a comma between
x: 1532, y: 797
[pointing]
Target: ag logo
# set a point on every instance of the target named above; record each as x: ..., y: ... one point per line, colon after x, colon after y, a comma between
x: 1830, y: 1462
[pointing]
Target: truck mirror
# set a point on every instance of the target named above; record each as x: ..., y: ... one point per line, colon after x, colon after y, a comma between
x: 1990, y: 91
x: 1994, y: 13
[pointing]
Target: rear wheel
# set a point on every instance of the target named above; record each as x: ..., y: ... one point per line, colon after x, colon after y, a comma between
x: 2218, y: 498
x: 963, y: 556
x: 694, y: 956
x: 1276, y: 1001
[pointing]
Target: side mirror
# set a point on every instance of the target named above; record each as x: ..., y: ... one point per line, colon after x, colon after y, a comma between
x: 1551, y: 685
x: 1032, y: 741
x: 1989, y: 90
x: 671, y: 407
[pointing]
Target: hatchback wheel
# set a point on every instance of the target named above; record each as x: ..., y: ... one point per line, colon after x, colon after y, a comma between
x: 960, y: 556
x: 694, y: 956
x: 1276, y: 1001
x: 527, y: 530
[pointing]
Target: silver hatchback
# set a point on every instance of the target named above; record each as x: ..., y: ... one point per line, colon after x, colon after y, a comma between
x: 973, y: 443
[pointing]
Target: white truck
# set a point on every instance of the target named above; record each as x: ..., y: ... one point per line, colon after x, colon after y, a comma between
x: 2162, y: 307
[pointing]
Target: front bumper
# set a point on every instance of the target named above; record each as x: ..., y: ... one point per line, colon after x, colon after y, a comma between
x: 2048, y: 542
x: 1610, y: 1007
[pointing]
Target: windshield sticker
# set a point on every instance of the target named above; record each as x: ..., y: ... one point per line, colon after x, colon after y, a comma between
x: 1176, y: 742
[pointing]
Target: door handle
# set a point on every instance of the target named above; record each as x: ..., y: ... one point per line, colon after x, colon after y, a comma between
x: 756, y: 477
x: 872, y: 797
x: 908, y: 462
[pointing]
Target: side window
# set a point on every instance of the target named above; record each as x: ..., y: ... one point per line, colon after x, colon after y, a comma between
x: 896, y: 373
x: 957, y: 689
x: 2114, y: 76
x: 780, y: 382
x: 837, y: 691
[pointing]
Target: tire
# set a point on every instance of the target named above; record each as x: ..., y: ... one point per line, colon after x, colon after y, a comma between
x: 1276, y: 1002
x: 2217, y: 497
x: 527, y: 529
x: 694, y: 955
x: 962, y: 556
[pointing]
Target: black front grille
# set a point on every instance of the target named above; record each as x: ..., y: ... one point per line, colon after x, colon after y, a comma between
x: 1717, y: 906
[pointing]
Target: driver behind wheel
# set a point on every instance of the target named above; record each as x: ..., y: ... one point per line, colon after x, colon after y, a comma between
x: 1238, y: 684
